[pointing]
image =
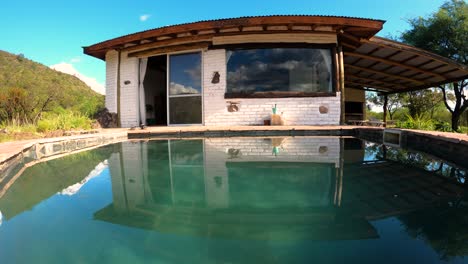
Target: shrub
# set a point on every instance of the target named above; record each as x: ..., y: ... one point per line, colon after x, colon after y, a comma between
x: 67, y: 120
x: 443, y: 126
x: 418, y: 122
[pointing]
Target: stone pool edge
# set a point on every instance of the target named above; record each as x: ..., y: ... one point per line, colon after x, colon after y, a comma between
x: 25, y: 153
x: 448, y: 146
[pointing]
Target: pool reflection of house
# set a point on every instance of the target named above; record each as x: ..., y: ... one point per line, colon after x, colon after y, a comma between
x: 267, y: 189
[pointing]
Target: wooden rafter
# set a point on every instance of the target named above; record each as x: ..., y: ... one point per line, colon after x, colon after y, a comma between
x: 394, y: 63
x: 384, y: 73
x: 410, y: 49
x: 369, y: 79
x: 168, y: 42
x: 371, y: 86
x: 161, y: 50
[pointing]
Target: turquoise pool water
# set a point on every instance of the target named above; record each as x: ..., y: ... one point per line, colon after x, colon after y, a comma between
x: 237, y: 200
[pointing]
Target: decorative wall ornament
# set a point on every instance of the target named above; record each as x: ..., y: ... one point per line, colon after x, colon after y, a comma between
x: 233, y: 106
x: 323, y: 109
x: 323, y: 149
x: 127, y: 82
x: 215, y: 78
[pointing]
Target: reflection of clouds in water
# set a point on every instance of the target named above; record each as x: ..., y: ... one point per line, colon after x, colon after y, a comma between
x: 73, y: 189
x: 176, y: 88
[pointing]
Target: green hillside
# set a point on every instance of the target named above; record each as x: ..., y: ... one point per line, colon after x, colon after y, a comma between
x: 28, y: 89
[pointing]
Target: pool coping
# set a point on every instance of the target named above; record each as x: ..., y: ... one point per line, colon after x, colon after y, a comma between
x: 16, y: 155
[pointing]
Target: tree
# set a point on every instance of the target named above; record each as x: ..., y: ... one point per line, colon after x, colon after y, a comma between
x: 445, y: 33
x: 421, y: 103
x: 393, y: 101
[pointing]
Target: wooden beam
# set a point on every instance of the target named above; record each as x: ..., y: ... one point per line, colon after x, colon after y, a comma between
x: 373, y: 27
x: 168, y: 42
x: 410, y: 58
x: 425, y: 63
x: 394, y: 63
x: 391, y: 55
x: 351, y: 46
x: 430, y: 85
x: 342, y: 85
x: 384, y: 73
x: 369, y: 79
x: 372, y: 86
x: 437, y: 67
x: 407, y: 48
x: 336, y: 72
x: 173, y: 48
x: 385, y: 110
x: 451, y: 70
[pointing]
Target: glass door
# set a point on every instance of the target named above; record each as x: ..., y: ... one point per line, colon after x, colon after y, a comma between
x: 185, y: 89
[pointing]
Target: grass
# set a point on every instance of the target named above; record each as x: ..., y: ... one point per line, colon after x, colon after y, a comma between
x: 50, y: 125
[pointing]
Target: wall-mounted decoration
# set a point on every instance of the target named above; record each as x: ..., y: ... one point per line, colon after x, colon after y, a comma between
x: 127, y: 82
x: 323, y: 149
x: 233, y: 106
x: 215, y: 78
x: 323, y: 109
x: 233, y: 153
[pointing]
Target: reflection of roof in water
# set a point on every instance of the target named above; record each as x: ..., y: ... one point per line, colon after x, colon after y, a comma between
x: 270, y: 225
x: 370, y: 191
x: 380, y: 189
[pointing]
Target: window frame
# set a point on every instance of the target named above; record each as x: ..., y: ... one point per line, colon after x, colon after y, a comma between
x: 282, y: 94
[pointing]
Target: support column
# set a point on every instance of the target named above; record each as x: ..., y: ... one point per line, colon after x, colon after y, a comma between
x: 119, y: 123
x: 385, y: 110
x: 341, y: 84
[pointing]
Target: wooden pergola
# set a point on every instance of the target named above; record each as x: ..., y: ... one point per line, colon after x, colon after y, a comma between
x: 386, y: 66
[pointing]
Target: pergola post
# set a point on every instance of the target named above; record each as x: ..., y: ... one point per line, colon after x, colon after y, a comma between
x: 341, y: 85
x: 385, y: 110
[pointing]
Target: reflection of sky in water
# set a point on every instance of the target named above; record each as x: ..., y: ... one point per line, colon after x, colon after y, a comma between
x: 64, y: 229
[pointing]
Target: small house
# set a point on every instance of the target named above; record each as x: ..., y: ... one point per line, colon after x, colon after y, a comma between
x: 309, y: 70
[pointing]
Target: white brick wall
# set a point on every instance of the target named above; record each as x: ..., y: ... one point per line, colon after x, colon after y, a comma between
x: 297, y: 149
x: 111, y: 80
x: 295, y: 111
x: 129, y: 92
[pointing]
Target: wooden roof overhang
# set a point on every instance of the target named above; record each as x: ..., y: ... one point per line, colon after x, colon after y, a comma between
x: 371, y: 63
x: 392, y: 67
x: 200, y: 34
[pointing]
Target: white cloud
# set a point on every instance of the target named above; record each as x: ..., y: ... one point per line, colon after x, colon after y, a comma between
x: 176, y: 88
x: 75, y: 59
x: 73, y: 189
x: 144, y: 17
x: 69, y: 69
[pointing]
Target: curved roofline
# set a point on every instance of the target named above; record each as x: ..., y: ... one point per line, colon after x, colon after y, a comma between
x: 368, y: 28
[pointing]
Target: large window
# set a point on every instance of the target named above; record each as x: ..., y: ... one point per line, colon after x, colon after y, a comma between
x: 284, y: 71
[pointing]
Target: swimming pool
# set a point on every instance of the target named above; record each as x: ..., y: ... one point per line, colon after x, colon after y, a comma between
x: 238, y: 200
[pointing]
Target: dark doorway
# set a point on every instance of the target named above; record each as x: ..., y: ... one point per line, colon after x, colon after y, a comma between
x: 155, y: 91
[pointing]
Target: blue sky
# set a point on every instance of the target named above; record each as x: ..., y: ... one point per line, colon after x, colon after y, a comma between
x: 53, y: 31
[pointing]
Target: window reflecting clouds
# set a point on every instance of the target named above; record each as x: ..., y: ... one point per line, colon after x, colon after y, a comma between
x: 279, y: 69
x: 185, y: 74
